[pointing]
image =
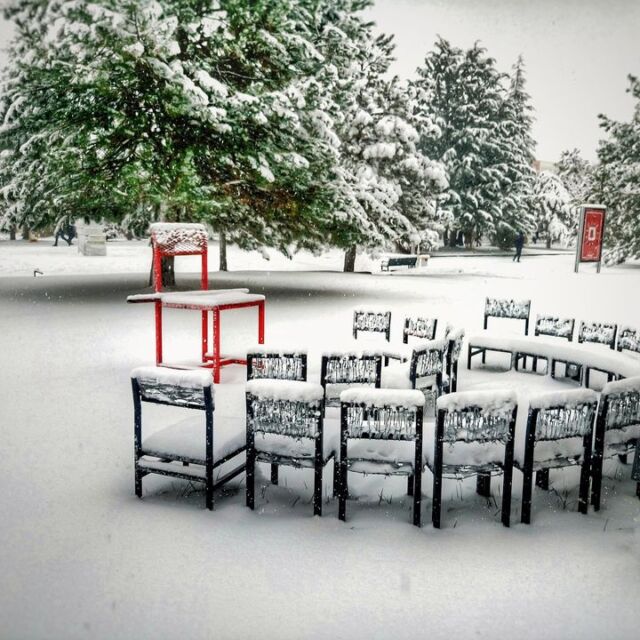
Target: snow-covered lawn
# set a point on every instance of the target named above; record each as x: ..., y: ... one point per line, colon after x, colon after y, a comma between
x: 80, y: 556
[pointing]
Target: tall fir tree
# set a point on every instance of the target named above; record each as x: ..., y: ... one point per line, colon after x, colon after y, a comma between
x: 552, y: 203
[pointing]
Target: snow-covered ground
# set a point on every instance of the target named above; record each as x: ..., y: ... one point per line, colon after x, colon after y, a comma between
x: 80, y: 556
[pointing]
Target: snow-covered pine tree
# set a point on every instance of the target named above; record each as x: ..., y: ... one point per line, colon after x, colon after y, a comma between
x: 617, y: 182
x: 554, y: 219
x: 385, y: 186
x: 190, y: 110
x: 576, y: 174
x: 517, y: 148
x: 460, y: 98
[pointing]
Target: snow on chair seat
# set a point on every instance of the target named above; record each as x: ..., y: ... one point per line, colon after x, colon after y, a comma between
x: 285, y: 426
x: 191, y: 449
x: 558, y: 433
x: 381, y: 433
x: 480, y: 418
x: 617, y: 428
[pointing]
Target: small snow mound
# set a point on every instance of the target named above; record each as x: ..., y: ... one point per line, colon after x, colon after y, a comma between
x: 494, y: 401
x: 176, y: 377
x: 570, y: 399
x: 291, y: 390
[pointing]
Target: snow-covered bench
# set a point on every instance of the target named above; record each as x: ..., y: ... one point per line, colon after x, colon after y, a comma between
x: 617, y: 428
x: 599, y: 333
x: 381, y: 433
x: 340, y: 369
x: 285, y: 426
x: 559, y: 433
x: 193, y: 448
x: 613, y: 364
x: 508, y: 309
x: 389, y: 262
x: 478, y: 429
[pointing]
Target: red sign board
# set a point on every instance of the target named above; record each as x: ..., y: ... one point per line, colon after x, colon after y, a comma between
x: 591, y: 240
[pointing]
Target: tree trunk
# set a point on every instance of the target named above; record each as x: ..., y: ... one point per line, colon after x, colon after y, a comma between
x: 548, y: 241
x: 350, y: 259
x: 453, y: 238
x: 25, y: 232
x: 168, y: 273
x: 12, y: 232
x: 223, y: 251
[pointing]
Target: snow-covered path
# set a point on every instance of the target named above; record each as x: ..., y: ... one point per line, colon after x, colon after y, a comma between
x: 82, y: 557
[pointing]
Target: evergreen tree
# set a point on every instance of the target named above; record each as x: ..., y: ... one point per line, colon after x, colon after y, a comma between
x: 554, y: 218
x: 617, y: 182
x: 577, y: 175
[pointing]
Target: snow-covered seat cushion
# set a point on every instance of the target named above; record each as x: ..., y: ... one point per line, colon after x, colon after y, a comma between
x: 187, y: 439
x: 470, y: 457
x: 396, y: 376
x: 385, y: 457
x: 303, y: 450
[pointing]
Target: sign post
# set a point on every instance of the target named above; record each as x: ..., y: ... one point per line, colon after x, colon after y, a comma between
x: 590, y: 234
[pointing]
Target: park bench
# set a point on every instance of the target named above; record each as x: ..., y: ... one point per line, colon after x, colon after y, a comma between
x: 193, y: 448
x: 285, y: 426
x: 469, y: 423
x: 389, y: 262
x: 381, y: 433
x: 558, y: 434
x: 617, y: 429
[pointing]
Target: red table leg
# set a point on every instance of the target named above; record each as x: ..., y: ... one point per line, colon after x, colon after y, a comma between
x: 158, y: 305
x: 216, y: 345
x: 205, y: 334
x: 261, y: 322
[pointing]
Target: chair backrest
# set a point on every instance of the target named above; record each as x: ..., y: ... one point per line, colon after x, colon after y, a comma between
x: 553, y: 326
x: 381, y: 414
x: 179, y: 239
x: 564, y: 414
x: 598, y: 332
x: 629, y: 339
x: 372, y: 321
x: 506, y: 308
x: 277, y: 365
x: 179, y: 388
x: 285, y: 407
x: 477, y: 416
x: 455, y: 338
x: 428, y: 359
x: 620, y: 404
x: 417, y: 327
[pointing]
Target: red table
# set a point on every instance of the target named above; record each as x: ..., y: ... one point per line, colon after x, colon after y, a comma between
x: 205, y: 301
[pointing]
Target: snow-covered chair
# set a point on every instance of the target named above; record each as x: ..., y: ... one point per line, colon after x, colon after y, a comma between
x: 629, y: 340
x: 340, y: 370
x: 419, y: 327
x: 276, y: 364
x: 424, y: 371
x: 474, y: 436
x: 285, y: 426
x: 455, y: 338
x: 617, y: 428
x: 546, y: 326
x: 559, y: 434
x: 381, y: 433
x: 598, y: 333
x: 508, y: 309
x: 192, y: 448
x: 372, y: 322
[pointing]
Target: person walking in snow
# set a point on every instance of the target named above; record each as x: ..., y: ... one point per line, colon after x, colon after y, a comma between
x: 519, y: 244
x: 65, y: 230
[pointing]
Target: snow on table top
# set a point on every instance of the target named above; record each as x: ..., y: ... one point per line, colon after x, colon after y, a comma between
x: 569, y: 398
x: 208, y: 299
x: 293, y: 390
x: 166, y: 295
x: 489, y: 400
x: 622, y: 386
x: 383, y: 397
x: 177, y: 377
x: 604, y: 359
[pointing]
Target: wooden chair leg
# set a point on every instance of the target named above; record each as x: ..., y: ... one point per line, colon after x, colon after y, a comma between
x: 417, y: 497
x: 583, y: 500
x: 596, y: 483
x: 437, y: 500
x: 638, y: 489
x: 342, y: 500
x: 209, y: 490
x: 527, y: 494
x: 483, y: 485
x: 336, y: 477
x: 138, y: 482
x: 251, y: 477
x: 410, y: 483
x: 506, y: 496
x: 274, y: 474
x: 542, y: 479
x: 484, y: 356
x: 317, y: 490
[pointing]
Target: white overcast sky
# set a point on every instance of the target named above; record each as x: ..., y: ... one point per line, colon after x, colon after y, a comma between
x: 578, y: 54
